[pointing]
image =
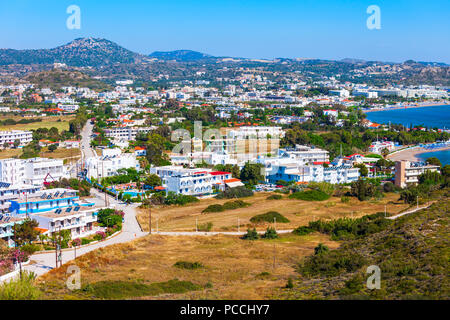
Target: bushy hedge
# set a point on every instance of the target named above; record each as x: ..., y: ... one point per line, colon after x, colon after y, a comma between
x: 275, y: 197
x: 269, y: 217
x: 310, y: 195
x: 345, y: 228
x: 179, y: 199
x: 214, y: 208
x: 332, y: 263
x: 230, y: 205
x: 188, y: 265
x: 237, y: 192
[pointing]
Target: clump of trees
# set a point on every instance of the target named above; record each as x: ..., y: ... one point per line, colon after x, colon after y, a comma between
x: 82, y: 186
x: 237, y: 192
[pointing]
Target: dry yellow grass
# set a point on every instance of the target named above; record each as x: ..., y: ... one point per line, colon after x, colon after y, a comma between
x: 299, y: 212
x: 10, y: 153
x: 60, y: 153
x: 46, y: 122
x: 232, y: 265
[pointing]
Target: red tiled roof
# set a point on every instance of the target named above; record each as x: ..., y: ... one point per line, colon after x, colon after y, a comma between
x: 219, y: 173
x: 232, y: 180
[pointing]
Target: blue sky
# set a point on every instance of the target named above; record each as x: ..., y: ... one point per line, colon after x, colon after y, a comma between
x: 328, y: 29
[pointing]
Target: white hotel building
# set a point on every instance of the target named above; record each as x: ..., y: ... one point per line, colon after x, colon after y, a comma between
x: 194, y: 181
x: 127, y: 133
x: 109, y: 163
x: 24, y: 137
x: 32, y: 171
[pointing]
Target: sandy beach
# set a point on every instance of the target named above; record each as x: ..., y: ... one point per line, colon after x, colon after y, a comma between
x: 444, y: 103
x: 411, y: 154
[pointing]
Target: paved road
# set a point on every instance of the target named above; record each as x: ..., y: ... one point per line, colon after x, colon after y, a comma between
x: 86, y: 150
x: 130, y: 231
x: 408, y: 212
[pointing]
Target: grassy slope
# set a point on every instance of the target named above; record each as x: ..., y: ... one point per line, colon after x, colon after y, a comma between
x: 299, y: 212
x: 56, y: 79
x: 237, y: 269
x: 413, y: 255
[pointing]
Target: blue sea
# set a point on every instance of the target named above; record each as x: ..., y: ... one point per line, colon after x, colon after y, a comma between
x: 431, y: 117
x: 444, y: 156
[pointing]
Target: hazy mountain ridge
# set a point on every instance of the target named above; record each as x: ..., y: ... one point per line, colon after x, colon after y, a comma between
x: 101, y: 57
x: 80, y: 52
x: 180, y: 55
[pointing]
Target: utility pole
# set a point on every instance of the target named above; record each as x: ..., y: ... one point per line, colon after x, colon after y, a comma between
x: 56, y: 252
x: 150, y: 219
x: 274, y: 253
x: 18, y: 252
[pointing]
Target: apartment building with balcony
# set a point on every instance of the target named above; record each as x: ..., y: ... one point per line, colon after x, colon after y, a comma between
x: 127, y: 133
x: 32, y: 171
x: 407, y: 172
x: 315, y: 173
x: 194, y: 182
x: 10, y: 192
x: 6, y: 228
x: 80, y: 221
x: 109, y: 163
x: 9, y: 137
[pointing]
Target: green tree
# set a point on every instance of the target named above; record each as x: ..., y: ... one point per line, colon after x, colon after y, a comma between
x: 270, y: 233
x: 53, y: 147
x: 362, y: 189
x: 363, y: 171
x: 153, y: 180
x: 251, y: 235
x: 25, y: 232
x: 251, y: 173
x: 434, y: 161
x: 16, y: 143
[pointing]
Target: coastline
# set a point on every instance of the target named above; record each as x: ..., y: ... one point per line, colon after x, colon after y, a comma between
x: 409, y: 107
x: 411, y: 154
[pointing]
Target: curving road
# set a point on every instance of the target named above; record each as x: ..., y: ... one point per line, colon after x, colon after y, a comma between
x: 43, y: 262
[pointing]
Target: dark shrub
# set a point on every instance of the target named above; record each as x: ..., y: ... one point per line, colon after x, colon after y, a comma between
x: 275, y: 197
x: 214, y: 208
x: 188, y: 265
x: 310, y: 195
x: 303, y: 230
x: 269, y: 217
x: 251, y: 235
x: 238, y: 192
x: 271, y: 233
x: 388, y: 187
